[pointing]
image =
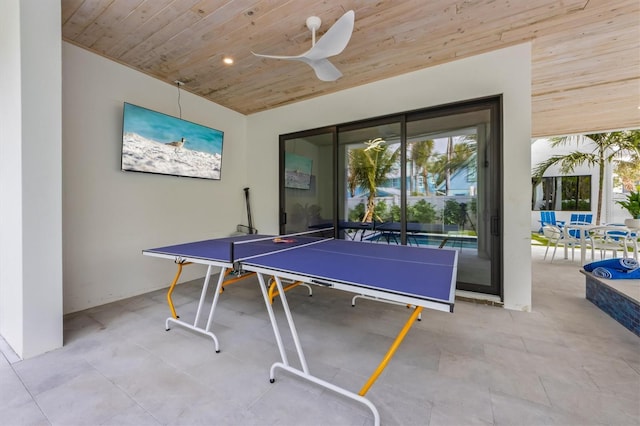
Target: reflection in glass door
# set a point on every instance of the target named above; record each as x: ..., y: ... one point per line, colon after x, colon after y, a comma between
x: 307, y: 181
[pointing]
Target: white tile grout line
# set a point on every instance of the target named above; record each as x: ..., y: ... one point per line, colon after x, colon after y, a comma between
x: 8, y: 352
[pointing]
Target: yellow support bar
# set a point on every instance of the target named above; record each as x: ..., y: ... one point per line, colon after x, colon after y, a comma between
x: 391, y: 351
x: 235, y: 279
x: 172, y: 286
x: 273, y: 292
x: 175, y: 281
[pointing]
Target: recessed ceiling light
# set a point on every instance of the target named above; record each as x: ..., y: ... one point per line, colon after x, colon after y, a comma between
x: 227, y: 60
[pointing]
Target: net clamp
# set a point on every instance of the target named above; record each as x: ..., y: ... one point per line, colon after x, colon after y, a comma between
x: 237, y: 268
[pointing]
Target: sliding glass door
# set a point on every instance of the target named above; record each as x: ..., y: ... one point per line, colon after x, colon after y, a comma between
x: 429, y: 178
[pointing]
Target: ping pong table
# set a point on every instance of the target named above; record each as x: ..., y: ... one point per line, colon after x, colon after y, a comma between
x: 417, y: 277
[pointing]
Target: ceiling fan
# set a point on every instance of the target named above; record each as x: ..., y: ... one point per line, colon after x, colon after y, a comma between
x: 332, y: 43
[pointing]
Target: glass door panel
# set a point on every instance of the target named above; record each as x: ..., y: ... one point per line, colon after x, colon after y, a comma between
x: 449, y: 191
x: 369, y: 182
x: 307, y: 182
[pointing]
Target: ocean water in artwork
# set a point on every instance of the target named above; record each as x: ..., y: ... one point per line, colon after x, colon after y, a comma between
x: 165, y: 129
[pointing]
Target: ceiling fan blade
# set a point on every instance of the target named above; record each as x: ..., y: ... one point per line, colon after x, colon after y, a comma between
x: 260, y: 55
x: 324, y: 69
x: 335, y: 39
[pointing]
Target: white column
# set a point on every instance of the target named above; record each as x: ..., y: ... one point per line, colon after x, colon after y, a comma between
x: 30, y: 176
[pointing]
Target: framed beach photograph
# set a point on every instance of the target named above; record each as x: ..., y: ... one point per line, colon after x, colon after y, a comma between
x: 153, y: 142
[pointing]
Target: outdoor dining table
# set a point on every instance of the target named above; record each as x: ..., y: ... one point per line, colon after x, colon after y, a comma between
x: 584, y: 230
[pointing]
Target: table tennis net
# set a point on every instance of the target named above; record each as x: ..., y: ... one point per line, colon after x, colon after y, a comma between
x: 251, y: 248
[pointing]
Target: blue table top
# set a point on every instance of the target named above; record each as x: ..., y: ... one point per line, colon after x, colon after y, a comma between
x: 411, y: 271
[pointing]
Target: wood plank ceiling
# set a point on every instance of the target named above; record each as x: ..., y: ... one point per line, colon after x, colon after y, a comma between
x: 585, y: 65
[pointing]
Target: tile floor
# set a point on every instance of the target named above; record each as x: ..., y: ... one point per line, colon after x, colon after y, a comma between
x: 565, y: 363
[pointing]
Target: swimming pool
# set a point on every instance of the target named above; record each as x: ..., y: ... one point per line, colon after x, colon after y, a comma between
x: 431, y: 240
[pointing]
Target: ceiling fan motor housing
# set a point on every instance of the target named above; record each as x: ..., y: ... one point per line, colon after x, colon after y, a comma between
x: 313, y: 23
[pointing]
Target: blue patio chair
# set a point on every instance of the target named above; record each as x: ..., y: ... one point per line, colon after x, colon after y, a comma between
x: 549, y: 218
x: 581, y: 218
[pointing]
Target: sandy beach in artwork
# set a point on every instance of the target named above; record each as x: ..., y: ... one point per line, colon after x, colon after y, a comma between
x: 141, y: 154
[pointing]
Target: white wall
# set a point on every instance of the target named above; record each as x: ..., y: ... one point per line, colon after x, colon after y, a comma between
x: 504, y: 72
x: 30, y: 181
x: 110, y: 216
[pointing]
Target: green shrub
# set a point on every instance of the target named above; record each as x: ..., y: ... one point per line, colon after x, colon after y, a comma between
x: 422, y: 212
x: 632, y: 204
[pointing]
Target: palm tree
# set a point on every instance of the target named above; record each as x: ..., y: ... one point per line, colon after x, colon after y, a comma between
x: 463, y: 150
x: 421, y: 152
x: 456, y: 157
x: 608, y: 147
x: 368, y: 169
